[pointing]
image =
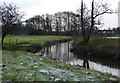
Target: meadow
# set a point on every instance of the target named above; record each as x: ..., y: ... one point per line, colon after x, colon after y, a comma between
x: 41, y: 40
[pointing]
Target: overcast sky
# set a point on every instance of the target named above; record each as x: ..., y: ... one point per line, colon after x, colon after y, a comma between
x: 38, y: 7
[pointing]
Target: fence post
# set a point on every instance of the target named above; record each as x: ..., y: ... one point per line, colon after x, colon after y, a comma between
x: 16, y: 42
x: 9, y: 43
x: 20, y: 44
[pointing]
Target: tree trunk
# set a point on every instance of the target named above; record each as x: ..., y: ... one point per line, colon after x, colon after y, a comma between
x: 92, y: 22
x: 68, y: 23
x: 2, y: 41
x: 82, y: 26
x: 3, y: 36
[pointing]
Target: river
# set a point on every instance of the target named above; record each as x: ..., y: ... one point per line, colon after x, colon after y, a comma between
x: 61, y: 52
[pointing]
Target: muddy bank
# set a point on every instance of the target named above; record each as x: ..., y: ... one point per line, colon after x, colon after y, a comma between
x: 34, y: 48
x: 108, y: 52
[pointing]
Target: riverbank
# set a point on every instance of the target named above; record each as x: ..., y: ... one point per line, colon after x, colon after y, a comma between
x: 24, y: 66
x: 31, y: 43
x: 100, y: 47
x: 19, y: 65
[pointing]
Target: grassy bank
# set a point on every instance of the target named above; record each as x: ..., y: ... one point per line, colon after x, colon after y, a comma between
x: 10, y: 41
x: 24, y: 66
x: 21, y: 65
x: 102, y: 47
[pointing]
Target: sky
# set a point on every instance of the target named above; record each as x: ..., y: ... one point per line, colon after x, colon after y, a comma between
x: 39, y: 7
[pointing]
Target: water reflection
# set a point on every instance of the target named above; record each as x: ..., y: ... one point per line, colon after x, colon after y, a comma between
x: 62, y: 53
x: 86, y: 64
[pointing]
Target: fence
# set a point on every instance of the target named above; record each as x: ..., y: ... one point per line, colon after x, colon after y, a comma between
x: 18, y: 44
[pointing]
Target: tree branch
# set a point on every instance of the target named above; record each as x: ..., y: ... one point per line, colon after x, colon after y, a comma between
x: 102, y: 13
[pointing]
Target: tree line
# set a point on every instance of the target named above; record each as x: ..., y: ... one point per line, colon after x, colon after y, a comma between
x: 61, y: 23
x: 85, y: 22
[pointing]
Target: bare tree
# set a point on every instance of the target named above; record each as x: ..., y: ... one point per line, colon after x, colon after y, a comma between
x: 89, y: 16
x: 11, y: 17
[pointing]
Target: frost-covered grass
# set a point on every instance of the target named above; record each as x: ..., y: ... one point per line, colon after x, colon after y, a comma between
x: 24, y: 66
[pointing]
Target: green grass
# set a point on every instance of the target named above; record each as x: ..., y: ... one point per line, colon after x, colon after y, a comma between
x: 28, y: 39
x: 94, y: 41
x: 104, y: 42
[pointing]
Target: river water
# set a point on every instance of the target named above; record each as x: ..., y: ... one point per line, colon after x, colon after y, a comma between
x: 61, y: 52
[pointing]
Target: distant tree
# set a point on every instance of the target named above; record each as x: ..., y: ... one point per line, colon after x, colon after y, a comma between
x: 29, y: 29
x: 64, y: 17
x: 118, y: 31
x: 60, y: 23
x: 48, y: 27
x: 56, y: 24
x: 68, y: 21
x: 37, y: 20
x: 43, y: 22
x: 74, y: 23
x: 11, y: 17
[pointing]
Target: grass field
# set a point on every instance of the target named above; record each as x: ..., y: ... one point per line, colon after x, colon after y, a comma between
x: 94, y: 41
x: 23, y: 66
x: 28, y: 39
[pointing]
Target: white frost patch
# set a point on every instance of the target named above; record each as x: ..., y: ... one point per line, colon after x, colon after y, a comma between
x: 44, y: 71
x: 40, y: 58
x: 21, y: 63
x: 35, y: 66
x: 112, y: 79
